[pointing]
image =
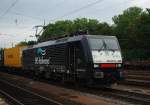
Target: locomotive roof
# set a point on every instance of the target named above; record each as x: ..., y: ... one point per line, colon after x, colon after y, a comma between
x: 67, y: 39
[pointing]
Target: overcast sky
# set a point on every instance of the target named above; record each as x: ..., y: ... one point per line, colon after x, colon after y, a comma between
x: 18, y: 17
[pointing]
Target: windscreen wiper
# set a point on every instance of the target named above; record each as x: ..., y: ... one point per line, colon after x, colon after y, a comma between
x: 104, y: 46
x: 112, y: 50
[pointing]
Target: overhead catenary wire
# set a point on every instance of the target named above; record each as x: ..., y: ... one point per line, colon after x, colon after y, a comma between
x: 67, y: 14
x: 64, y: 15
x: 75, y: 11
x: 28, y: 16
x: 78, y: 9
x: 9, y: 8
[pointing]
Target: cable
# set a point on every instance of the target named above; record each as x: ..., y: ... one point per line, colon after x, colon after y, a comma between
x: 11, y: 6
x: 74, y: 11
x: 78, y: 9
x: 27, y: 16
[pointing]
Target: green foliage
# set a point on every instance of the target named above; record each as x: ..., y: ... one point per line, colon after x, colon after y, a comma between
x: 133, y: 30
x: 125, y: 24
x: 31, y: 42
x: 143, y: 27
x: 24, y: 43
x: 136, y: 54
x: 57, y: 29
x: 67, y: 27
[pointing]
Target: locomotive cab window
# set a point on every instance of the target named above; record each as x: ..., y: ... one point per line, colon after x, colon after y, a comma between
x: 105, y: 50
x: 103, y: 44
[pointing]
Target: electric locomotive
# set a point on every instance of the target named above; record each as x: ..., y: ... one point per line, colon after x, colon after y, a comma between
x: 94, y: 59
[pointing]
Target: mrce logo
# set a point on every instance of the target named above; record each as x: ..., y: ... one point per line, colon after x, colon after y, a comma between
x: 39, y: 59
x: 41, y: 51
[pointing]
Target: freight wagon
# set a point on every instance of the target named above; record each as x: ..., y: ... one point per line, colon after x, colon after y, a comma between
x: 88, y: 58
x: 13, y: 57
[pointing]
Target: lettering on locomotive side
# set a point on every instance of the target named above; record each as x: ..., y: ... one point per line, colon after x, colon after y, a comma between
x: 41, y: 60
x: 40, y: 52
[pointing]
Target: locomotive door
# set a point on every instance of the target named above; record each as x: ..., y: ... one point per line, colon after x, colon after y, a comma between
x: 76, y: 58
x: 72, y: 60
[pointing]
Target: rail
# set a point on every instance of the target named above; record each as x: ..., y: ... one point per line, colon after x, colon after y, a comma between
x: 20, y: 96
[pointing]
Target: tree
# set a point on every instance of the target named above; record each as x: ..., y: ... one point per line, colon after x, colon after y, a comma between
x: 132, y: 28
x: 143, y: 27
x: 77, y: 26
x: 93, y: 26
x: 57, y: 29
x: 125, y: 26
x: 22, y: 43
x: 104, y: 29
x: 31, y: 42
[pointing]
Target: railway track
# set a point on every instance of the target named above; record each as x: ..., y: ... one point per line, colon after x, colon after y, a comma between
x: 137, y: 78
x: 137, y: 72
x: 135, y: 82
x: 20, y: 96
x: 144, y: 65
x: 129, y: 97
x: 137, y: 98
x: 133, y: 98
x: 120, y: 95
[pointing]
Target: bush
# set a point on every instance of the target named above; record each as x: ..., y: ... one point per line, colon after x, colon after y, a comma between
x: 136, y: 54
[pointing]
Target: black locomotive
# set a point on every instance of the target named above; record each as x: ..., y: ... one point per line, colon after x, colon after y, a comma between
x: 89, y: 58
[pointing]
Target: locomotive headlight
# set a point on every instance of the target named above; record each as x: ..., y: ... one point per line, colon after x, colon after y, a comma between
x: 119, y: 65
x: 96, y: 65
